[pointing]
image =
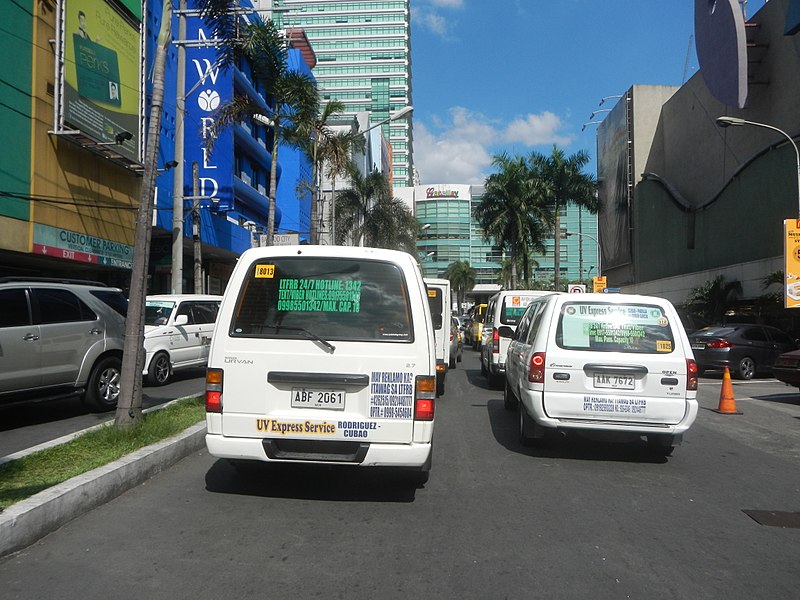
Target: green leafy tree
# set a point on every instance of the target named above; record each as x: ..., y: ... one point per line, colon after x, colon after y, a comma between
x: 330, y: 152
x: 293, y: 99
x: 504, y: 275
x: 711, y: 300
x: 368, y: 214
x: 511, y: 213
x: 462, y: 279
x: 558, y: 181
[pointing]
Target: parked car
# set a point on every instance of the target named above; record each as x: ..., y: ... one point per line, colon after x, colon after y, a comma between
x: 610, y: 364
x: 59, y: 338
x: 456, y: 343
x: 786, y: 368
x: 177, y: 333
x: 745, y: 348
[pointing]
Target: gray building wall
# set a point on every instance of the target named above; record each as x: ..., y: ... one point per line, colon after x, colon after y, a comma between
x: 712, y: 201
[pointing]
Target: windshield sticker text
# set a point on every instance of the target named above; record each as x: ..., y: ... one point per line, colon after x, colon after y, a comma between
x: 319, y: 295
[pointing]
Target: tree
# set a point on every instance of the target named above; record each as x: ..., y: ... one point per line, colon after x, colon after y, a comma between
x: 293, y: 97
x: 510, y: 213
x: 325, y: 147
x: 504, y: 275
x: 462, y: 278
x: 368, y: 214
x: 129, y: 402
x: 558, y: 181
x: 712, y: 299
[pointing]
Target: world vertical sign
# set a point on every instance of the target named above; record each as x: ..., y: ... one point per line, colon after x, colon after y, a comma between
x: 208, y: 86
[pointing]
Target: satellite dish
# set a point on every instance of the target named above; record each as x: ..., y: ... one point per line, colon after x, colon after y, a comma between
x: 722, y: 49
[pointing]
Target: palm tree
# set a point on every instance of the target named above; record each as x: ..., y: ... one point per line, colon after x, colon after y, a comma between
x: 712, y: 299
x: 504, y: 276
x: 324, y: 146
x: 368, y: 214
x: 293, y: 96
x: 511, y: 213
x: 462, y: 278
x: 558, y: 180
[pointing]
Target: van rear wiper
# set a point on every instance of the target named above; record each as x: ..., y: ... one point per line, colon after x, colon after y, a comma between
x: 310, y: 335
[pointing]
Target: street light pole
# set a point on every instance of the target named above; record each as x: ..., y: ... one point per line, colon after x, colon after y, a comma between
x: 736, y: 122
x: 599, y: 249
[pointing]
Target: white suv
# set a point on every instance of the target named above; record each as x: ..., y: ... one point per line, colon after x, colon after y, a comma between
x: 177, y: 333
x: 61, y: 337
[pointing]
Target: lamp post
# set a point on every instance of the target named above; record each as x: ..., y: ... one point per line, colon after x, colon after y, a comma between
x: 599, y: 249
x: 737, y: 122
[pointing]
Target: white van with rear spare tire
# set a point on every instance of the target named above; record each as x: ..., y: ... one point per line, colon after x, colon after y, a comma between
x: 608, y: 363
x: 323, y: 354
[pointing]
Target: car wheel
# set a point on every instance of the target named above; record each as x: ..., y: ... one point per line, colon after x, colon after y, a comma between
x: 458, y: 358
x: 483, y: 367
x: 746, y: 368
x: 440, y: 387
x: 102, y: 389
x: 509, y: 399
x: 160, y: 369
x: 525, y: 427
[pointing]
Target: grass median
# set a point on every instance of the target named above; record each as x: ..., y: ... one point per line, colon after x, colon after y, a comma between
x: 26, y: 476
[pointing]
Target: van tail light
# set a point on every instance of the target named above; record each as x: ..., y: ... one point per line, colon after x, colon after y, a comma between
x: 536, y: 368
x: 719, y: 344
x: 495, y: 341
x: 214, y: 390
x: 424, y: 397
x: 691, y: 374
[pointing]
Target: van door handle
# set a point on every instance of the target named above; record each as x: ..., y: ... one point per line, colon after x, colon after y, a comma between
x: 629, y: 369
x: 30, y: 337
x: 95, y: 331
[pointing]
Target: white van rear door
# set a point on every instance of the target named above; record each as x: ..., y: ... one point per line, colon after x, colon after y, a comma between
x: 621, y: 362
x: 326, y: 349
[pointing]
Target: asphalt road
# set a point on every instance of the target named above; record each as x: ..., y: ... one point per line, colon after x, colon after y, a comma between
x: 579, y: 518
x: 23, y: 426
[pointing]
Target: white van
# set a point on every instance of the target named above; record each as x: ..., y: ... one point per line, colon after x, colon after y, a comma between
x: 603, y: 363
x: 323, y: 354
x: 439, y: 302
x: 503, y: 312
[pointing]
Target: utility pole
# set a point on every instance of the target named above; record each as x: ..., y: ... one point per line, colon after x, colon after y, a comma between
x: 198, y: 259
x: 177, y: 187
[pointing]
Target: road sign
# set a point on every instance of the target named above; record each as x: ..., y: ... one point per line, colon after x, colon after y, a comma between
x: 612, y: 290
x: 285, y: 239
x: 576, y: 288
x: 599, y: 283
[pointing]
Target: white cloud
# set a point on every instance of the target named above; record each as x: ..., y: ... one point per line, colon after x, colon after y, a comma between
x: 533, y: 130
x: 448, y: 3
x: 460, y: 149
x: 431, y: 21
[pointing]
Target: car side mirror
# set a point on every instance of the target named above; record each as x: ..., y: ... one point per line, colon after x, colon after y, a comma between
x: 505, y: 331
x: 181, y: 320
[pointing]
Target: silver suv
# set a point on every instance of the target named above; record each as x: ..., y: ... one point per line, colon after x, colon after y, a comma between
x: 61, y: 337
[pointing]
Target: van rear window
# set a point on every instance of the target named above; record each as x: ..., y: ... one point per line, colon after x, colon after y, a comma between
x: 513, y: 308
x: 330, y: 298
x: 606, y: 327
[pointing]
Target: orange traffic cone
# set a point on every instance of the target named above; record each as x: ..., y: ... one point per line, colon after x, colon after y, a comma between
x: 727, y: 403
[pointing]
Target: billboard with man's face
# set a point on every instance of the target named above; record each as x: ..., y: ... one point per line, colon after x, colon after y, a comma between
x: 101, y: 73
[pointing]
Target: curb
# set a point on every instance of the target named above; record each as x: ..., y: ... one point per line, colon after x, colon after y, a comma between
x: 26, y: 522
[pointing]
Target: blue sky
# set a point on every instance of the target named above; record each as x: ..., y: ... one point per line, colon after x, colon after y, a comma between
x: 492, y: 76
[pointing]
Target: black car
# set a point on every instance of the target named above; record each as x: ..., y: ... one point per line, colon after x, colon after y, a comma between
x: 745, y: 348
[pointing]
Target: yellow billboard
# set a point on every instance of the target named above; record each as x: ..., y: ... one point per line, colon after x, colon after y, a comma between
x: 791, y: 263
x: 599, y: 283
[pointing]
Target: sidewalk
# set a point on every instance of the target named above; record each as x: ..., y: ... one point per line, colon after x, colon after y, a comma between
x: 25, y: 522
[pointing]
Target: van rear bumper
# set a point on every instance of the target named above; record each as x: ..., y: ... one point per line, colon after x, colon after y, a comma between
x: 535, y: 408
x: 377, y: 455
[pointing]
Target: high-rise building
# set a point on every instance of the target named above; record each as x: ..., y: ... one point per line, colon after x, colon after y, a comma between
x: 363, y: 51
